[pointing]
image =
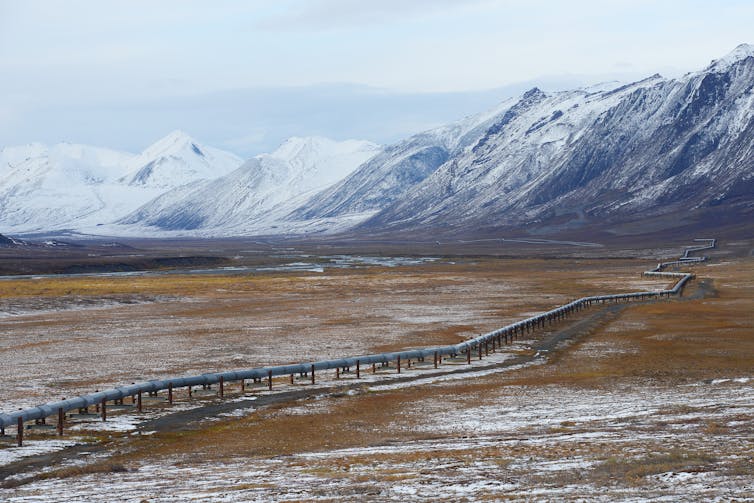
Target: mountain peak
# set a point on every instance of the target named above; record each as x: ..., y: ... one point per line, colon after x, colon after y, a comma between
x: 178, y: 135
x: 178, y: 159
x: 174, y: 141
x: 533, y: 93
x: 740, y: 53
x: 318, y: 146
x: 299, y: 141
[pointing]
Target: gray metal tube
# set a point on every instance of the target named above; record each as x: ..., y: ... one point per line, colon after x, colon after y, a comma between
x: 154, y: 385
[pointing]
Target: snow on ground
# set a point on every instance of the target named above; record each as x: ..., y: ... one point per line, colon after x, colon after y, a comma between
x: 33, y: 448
x: 547, y: 442
x: 51, y: 349
x: 522, y: 407
x: 523, y: 443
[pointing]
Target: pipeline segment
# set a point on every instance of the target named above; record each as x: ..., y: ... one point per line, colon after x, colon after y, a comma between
x: 155, y: 385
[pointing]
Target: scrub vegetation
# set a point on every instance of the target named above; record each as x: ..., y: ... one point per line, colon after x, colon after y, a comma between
x: 642, y: 400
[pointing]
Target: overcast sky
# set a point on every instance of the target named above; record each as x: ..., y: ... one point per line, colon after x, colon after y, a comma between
x: 244, y: 75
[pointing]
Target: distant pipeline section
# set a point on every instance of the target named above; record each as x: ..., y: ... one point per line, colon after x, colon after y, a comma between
x: 479, y: 344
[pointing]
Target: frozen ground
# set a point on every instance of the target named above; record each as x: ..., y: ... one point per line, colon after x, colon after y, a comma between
x: 551, y: 443
x: 62, y: 346
x: 638, y: 410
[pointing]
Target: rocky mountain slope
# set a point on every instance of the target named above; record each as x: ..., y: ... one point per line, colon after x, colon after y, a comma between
x: 561, y: 160
x: 649, y: 154
x: 391, y: 173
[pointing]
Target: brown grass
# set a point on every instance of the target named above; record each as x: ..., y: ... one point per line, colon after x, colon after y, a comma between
x: 559, y: 274
x: 635, y: 470
x: 192, y: 324
x: 718, y: 343
x: 667, y: 343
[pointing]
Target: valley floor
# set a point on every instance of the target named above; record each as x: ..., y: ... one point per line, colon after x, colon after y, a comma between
x: 638, y: 401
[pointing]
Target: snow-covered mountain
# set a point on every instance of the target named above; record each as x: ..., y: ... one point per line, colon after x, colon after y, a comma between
x: 391, y: 173
x: 69, y: 186
x: 44, y: 188
x: 643, y: 150
x: 653, y: 152
x: 178, y: 159
x: 254, y: 197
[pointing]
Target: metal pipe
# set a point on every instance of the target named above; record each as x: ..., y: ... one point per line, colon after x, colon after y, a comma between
x: 508, y: 333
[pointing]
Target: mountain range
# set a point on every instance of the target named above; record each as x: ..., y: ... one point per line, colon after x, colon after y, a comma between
x: 621, y: 158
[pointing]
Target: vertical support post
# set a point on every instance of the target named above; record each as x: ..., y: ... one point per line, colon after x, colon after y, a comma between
x: 269, y: 380
x: 374, y: 368
x: 61, y: 419
x: 358, y: 370
x: 291, y: 378
x: 222, y: 386
x: 468, y: 355
x: 20, y: 432
x: 398, y: 364
x: 435, y: 362
x: 312, y: 373
x: 486, y: 348
x: 337, y: 372
x: 138, y: 401
x: 190, y: 393
x: 243, y: 386
x: 480, y: 350
x: 104, y: 409
x: 170, y: 393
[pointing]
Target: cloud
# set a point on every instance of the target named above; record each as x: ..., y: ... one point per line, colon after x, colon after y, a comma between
x: 121, y: 74
x: 318, y: 15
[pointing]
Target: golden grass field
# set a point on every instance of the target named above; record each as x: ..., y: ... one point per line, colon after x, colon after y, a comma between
x: 74, y: 335
x: 654, y: 400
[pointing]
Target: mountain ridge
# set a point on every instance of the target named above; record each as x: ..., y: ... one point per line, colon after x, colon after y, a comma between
x: 261, y: 190
x: 74, y: 186
x: 681, y: 125
x: 597, y: 157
